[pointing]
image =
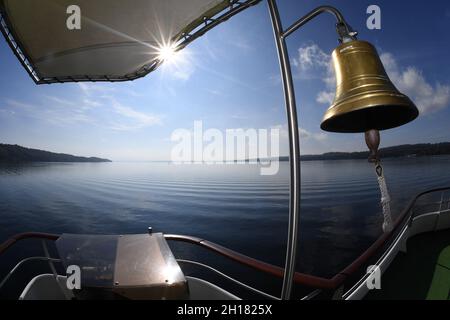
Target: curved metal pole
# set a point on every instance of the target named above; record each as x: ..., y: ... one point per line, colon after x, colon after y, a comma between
x: 314, y: 13
x: 294, y: 151
x: 345, y: 34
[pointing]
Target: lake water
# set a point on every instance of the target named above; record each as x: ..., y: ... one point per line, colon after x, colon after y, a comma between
x: 232, y: 205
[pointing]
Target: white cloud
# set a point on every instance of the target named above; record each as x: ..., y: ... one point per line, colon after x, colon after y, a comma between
x: 275, y: 78
x: 238, y: 116
x: 18, y: 104
x: 313, y: 62
x: 98, y: 95
x: 310, y: 57
x: 215, y: 92
x: 325, y: 97
x: 183, y: 73
x: 60, y: 101
x: 139, y: 119
x: 411, y: 82
x: 49, y: 112
x: 91, y: 103
x: 304, y: 134
x: 94, y: 88
x: 112, y: 115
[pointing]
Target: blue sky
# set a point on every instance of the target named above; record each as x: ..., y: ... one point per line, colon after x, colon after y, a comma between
x: 229, y: 78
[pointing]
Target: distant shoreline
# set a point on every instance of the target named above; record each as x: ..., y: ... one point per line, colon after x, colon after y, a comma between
x: 13, y: 153
x: 405, y: 151
x: 17, y: 154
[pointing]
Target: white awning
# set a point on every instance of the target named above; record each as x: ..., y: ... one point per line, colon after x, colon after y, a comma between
x: 117, y: 39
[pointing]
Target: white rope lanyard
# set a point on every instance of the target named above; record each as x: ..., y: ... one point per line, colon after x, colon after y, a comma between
x: 385, y: 198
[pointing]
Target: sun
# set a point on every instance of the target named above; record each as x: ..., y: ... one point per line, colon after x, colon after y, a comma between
x: 173, y: 60
x: 167, y: 53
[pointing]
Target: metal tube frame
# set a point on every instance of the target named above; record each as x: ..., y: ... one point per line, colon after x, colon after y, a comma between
x: 345, y: 33
x: 294, y: 151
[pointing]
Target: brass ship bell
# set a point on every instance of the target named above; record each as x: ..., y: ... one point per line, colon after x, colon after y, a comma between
x: 365, y: 99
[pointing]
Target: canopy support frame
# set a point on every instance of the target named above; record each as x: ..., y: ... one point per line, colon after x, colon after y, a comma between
x: 294, y: 151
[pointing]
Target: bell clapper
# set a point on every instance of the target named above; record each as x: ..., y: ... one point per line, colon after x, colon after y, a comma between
x: 372, y: 138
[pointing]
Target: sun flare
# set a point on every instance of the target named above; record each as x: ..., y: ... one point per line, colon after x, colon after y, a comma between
x: 167, y: 53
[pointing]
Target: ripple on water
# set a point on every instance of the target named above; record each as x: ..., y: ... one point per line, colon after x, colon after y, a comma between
x: 232, y: 205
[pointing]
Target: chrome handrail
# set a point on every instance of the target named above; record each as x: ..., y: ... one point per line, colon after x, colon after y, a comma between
x: 22, y: 262
x: 26, y: 235
x: 308, y: 280
x: 264, y: 294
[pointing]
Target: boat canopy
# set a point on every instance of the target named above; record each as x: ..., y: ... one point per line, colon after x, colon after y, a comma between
x: 105, y: 40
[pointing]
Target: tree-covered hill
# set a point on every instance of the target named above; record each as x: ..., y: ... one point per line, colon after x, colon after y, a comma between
x: 15, y: 153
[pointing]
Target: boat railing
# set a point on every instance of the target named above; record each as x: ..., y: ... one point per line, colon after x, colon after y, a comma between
x: 337, y: 281
x: 27, y: 235
x: 334, y: 285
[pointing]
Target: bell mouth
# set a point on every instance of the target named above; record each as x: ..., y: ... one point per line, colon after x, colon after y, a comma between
x: 355, y: 117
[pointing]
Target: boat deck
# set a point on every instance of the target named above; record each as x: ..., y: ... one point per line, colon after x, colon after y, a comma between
x: 421, y: 273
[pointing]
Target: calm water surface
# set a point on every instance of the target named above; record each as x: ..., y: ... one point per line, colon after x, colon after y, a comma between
x: 232, y: 205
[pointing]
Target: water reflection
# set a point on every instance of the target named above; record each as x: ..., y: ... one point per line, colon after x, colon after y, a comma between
x: 229, y: 204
